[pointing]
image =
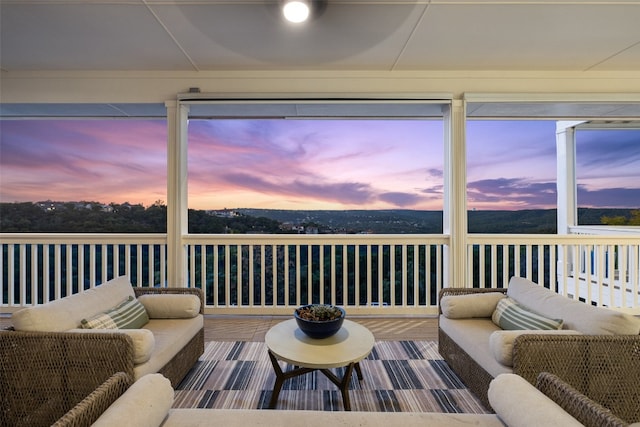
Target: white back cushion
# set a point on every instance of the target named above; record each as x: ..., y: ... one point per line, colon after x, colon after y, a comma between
x: 66, y: 313
x: 577, y: 315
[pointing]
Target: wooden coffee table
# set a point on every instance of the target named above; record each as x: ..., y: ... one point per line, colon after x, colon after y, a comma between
x: 286, y: 342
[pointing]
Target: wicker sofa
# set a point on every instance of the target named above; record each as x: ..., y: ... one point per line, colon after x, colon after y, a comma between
x: 147, y: 403
x: 596, y: 351
x: 49, y: 363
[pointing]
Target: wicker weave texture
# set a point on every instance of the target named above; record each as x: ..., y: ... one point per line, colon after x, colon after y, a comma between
x: 44, y: 375
x: 91, y: 407
x: 605, y: 368
x: 576, y: 404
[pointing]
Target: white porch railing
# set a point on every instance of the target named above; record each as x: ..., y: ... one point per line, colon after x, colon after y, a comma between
x: 602, y: 270
x: 369, y: 274
x: 390, y: 274
x: 37, y: 268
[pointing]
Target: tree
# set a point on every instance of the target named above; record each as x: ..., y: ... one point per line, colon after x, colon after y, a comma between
x: 634, y: 219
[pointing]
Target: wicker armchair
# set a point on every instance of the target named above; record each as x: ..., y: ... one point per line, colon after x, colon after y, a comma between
x: 43, y: 374
x: 604, y: 368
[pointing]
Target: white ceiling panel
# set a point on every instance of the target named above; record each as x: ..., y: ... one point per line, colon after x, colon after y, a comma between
x: 209, y: 35
x: 85, y: 37
x: 521, y: 36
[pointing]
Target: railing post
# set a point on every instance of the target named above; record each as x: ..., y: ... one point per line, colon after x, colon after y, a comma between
x: 455, y: 194
x: 177, y: 210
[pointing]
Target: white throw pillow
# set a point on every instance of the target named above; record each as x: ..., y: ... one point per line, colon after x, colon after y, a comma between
x: 470, y: 305
x: 171, y: 306
x: 145, y: 404
x: 501, y: 342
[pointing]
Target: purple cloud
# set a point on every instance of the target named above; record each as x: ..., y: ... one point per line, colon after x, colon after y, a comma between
x: 401, y: 200
x: 512, y: 191
x: 609, y: 197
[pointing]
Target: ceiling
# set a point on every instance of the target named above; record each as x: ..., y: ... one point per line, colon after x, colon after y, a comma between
x: 371, y: 35
x: 211, y: 35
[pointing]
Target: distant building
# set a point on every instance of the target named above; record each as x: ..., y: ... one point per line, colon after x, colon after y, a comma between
x: 224, y: 213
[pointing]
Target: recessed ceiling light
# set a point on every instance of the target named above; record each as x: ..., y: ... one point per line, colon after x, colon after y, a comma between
x: 296, y: 11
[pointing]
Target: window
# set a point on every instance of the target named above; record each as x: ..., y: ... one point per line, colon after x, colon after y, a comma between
x: 316, y: 172
x: 607, y: 171
x: 101, y: 173
x: 511, y: 176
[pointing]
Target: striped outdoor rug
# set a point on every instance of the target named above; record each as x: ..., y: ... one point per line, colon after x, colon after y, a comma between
x: 398, y: 376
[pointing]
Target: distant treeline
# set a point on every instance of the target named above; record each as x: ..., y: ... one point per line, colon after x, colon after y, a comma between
x: 95, y: 217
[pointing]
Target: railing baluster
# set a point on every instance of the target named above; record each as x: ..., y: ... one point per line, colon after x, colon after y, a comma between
x: 239, y: 278
x: 332, y: 273
x: 69, y: 268
x: 23, y: 274
x: 416, y: 275
x: 356, y: 273
x: 626, y: 276
x: 274, y: 275
x: 46, y: 279
x: 34, y: 274
x: 286, y: 274
x: 369, y: 278
x: 345, y: 275
x: 216, y: 276
x: 553, y: 281
x: 380, y: 275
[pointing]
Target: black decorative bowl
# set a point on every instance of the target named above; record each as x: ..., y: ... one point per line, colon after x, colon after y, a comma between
x: 319, y: 329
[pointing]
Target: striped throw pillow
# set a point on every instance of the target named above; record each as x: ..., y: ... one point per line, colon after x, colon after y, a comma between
x: 129, y: 314
x: 510, y: 315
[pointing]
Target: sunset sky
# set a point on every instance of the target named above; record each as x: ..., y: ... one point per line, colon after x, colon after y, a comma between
x: 310, y: 164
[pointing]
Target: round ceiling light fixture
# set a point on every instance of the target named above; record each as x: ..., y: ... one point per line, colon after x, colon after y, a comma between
x: 296, y: 11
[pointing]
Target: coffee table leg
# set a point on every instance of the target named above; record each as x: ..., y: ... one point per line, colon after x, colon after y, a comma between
x: 343, y: 384
x: 279, y: 380
x: 358, y: 371
x: 281, y: 377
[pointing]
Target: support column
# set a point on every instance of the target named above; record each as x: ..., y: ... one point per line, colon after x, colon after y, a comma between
x: 566, y: 175
x: 455, y: 194
x: 177, y: 210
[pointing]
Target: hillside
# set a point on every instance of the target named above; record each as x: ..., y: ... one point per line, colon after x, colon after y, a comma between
x: 94, y: 217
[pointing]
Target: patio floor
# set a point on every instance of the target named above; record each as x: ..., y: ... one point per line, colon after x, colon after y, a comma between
x: 253, y: 328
